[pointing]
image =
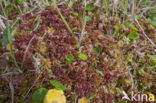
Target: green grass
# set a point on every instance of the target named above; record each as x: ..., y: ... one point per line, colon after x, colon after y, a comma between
x: 65, y: 22
x: 11, y: 46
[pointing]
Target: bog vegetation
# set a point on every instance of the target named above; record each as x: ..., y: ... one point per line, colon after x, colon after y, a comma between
x: 76, y: 51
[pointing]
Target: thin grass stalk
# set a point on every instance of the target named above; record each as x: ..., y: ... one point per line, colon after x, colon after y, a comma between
x: 124, y: 6
x: 133, y: 9
x: 106, y: 3
x: 11, y: 47
x: 84, y: 24
x: 65, y: 22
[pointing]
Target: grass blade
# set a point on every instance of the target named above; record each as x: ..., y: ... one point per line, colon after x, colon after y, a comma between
x: 11, y: 47
x: 65, y: 22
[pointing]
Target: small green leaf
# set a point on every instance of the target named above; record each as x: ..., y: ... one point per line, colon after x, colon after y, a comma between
x: 96, y: 49
x: 7, y: 11
x: 127, y: 81
x: 117, y: 27
x: 141, y: 72
x: 106, y: 35
x: 92, y: 95
x: 12, y: 4
x: 129, y: 57
x: 36, y: 19
x: 50, y: 2
x: 74, y: 13
x: 121, y: 43
x: 57, y: 85
x: 36, y: 26
x: 136, y: 17
x: 74, y: 28
x: 88, y: 18
x: 133, y: 35
x: 38, y: 95
x: 20, y: 1
x: 90, y: 7
x: 70, y: 3
x: 70, y: 58
x: 5, y: 2
x: 82, y: 56
x: 153, y: 59
x: 127, y: 24
x: 151, y: 16
x: 133, y: 27
x: 5, y: 39
x: 153, y: 22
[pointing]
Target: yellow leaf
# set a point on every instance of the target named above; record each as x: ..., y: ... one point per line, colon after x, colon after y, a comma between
x: 50, y: 29
x: 83, y: 100
x: 43, y: 47
x: 121, y: 43
x: 133, y: 28
x: 55, y: 96
x: 8, y: 47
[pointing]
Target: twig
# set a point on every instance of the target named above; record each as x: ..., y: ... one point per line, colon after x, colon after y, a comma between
x: 9, y: 73
x: 15, y: 22
x: 75, y: 100
x: 62, y: 2
x: 84, y: 24
x: 148, y: 8
x: 2, y: 25
x: 25, y: 53
x: 39, y: 4
x: 132, y: 80
x: 3, y: 9
x: 145, y: 33
x: 12, y: 91
x: 3, y: 17
x: 138, y: 4
x: 31, y: 3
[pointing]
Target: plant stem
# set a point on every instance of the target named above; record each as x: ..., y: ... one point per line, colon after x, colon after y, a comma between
x: 65, y: 22
x: 84, y: 23
x: 133, y: 9
x: 11, y: 47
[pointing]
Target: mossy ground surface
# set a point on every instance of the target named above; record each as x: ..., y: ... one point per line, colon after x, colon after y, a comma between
x: 114, y: 55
